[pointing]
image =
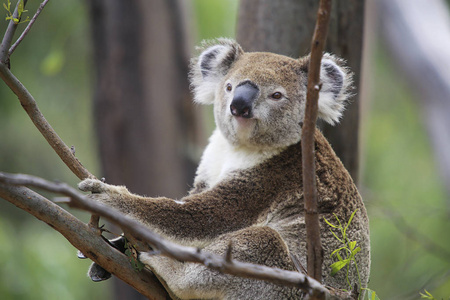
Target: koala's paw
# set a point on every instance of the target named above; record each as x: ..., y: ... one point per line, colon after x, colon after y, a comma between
x: 101, y: 192
x: 93, y: 185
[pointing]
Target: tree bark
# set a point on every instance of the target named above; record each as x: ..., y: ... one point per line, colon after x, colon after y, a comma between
x: 142, y: 110
x: 82, y: 237
x: 314, y: 243
x: 286, y: 27
x: 345, y: 39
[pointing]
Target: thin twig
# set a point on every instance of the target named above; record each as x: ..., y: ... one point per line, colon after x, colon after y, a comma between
x: 314, y: 245
x: 9, y: 34
x: 29, y: 104
x: 27, y: 29
x: 167, y: 248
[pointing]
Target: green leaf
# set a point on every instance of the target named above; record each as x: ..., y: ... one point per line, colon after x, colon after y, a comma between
x: 427, y: 295
x: 338, y: 266
x: 356, y: 250
x: 336, y: 236
x: 20, y: 8
x: 350, y: 220
x: 26, y: 20
x: 371, y: 295
x: 336, y: 252
x: 339, y: 221
x: 339, y: 256
x: 329, y: 224
x: 7, y: 7
x: 352, y: 245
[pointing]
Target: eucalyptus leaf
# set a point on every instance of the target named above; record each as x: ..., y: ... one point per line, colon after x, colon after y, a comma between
x: 335, y: 267
x: 326, y: 221
x: 371, y: 295
x: 349, y: 221
x: 352, y: 245
x: 356, y: 250
x: 336, y: 236
x: 336, y: 251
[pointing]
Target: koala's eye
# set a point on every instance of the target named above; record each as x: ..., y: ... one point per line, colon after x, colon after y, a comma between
x: 228, y: 87
x: 276, y: 95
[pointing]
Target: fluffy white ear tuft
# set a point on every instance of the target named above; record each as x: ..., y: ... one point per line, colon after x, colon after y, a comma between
x: 336, y: 82
x: 211, y: 66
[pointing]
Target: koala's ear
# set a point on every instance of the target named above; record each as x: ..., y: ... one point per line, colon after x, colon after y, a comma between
x: 211, y: 66
x: 336, y: 84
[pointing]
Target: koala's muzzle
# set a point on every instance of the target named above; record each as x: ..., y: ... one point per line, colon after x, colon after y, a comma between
x: 244, y: 95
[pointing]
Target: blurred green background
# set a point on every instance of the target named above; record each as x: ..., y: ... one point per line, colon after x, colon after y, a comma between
x: 408, y: 208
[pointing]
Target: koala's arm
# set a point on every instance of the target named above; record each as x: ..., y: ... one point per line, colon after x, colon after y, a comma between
x: 197, y: 217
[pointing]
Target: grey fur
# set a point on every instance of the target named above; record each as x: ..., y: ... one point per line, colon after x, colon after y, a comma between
x: 248, y: 187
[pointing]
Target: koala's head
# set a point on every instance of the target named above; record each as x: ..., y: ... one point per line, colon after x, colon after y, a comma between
x: 259, y: 98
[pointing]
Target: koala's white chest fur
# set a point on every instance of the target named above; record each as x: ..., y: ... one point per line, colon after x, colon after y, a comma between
x: 221, y: 158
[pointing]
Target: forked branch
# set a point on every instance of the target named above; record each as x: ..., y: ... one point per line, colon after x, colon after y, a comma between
x: 27, y: 29
x: 29, y: 104
x: 84, y: 238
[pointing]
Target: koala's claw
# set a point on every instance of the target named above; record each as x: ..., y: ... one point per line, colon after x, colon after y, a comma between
x: 81, y: 255
x: 97, y: 273
x: 92, y: 185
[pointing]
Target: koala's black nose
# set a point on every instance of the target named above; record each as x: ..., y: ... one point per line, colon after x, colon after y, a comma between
x: 244, y: 95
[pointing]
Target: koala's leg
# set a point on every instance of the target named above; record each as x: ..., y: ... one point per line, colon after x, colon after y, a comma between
x: 259, y: 245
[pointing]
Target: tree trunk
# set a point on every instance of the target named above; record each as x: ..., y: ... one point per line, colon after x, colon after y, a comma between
x: 143, y: 116
x: 345, y: 39
x: 286, y: 27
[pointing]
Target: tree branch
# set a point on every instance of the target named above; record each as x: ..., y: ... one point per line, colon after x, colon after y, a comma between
x: 147, y: 285
x: 29, y: 104
x: 314, y: 245
x: 27, y: 29
x: 167, y: 248
x: 84, y: 238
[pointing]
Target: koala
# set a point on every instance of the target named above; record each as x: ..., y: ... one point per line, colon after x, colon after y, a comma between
x: 248, y: 187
